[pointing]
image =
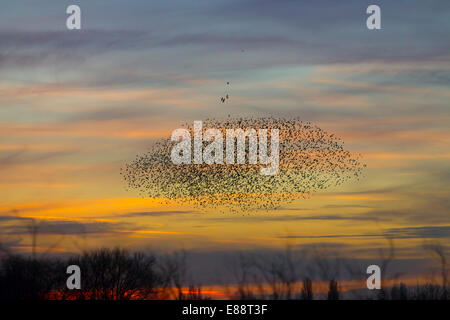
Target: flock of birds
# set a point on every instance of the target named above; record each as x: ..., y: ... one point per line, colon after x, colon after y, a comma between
x: 310, y: 160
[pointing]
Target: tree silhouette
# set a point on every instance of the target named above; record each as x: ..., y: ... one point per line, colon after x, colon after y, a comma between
x: 116, y: 274
x: 307, y: 292
x: 333, y: 291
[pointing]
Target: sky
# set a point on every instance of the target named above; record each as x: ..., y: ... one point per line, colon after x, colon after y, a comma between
x: 77, y: 105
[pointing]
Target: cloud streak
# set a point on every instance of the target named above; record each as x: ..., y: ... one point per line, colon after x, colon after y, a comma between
x: 427, y: 232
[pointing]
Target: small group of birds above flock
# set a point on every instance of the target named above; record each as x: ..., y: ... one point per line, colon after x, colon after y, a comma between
x: 223, y: 99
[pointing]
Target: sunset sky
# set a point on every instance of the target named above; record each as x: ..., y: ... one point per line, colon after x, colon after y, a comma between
x: 77, y: 105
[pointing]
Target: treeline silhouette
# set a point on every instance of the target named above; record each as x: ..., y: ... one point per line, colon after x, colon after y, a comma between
x: 119, y: 274
x: 106, y: 274
x: 319, y: 272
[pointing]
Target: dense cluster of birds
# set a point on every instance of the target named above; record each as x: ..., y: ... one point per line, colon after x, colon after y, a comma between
x: 310, y: 159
